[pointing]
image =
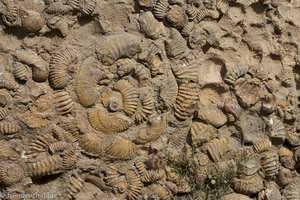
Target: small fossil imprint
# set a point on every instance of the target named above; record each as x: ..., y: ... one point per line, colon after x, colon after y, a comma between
x: 39, y: 68
x: 63, y: 102
x: 176, y: 46
x: 160, y: 9
x: 10, y: 15
x: 61, y: 68
x: 111, y: 48
x: 121, y: 149
x: 45, y: 166
x: 8, y: 128
x: 9, y: 177
x: 32, y: 17
x: 104, y: 121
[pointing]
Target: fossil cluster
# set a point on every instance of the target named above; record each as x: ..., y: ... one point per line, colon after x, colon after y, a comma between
x: 150, y: 99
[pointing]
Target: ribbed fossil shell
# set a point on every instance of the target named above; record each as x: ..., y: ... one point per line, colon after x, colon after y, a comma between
x: 139, y: 71
x: 223, y: 5
x: 11, y: 12
x: 104, y: 121
x: 121, y: 149
x: 186, y: 100
x: 262, y: 145
x: 58, y: 146
x: 112, y: 47
x: 39, y: 144
x: 169, y: 90
x: 60, y: 68
x: 277, y: 131
x: 115, y: 178
x: 86, y: 85
x: 146, y: 105
x: 236, y: 72
x: 134, y: 185
x: 153, y: 58
x: 203, y: 13
x: 160, y: 9
x: 75, y: 4
x: 70, y: 157
x: 176, y: 46
x: 177, y: 17
x: 3, y: 113
x: 45, y: 166
x: 179, y: 137
x: 192, y: 12
x: 270, y: 163
x: 188, y: 72
x: 249, y: 185
x: 113, y: 175
x: 157, y: 126
x: 63, y: 102
x: 141, y: 167
x: 150, y: 26
x: 40, y: 70
x: 112, y: 100
x: 201, y: 133
x: 75, y: 185
x: 88, y: 7
x: 130, y: 96
x: 31, y: 14
x: 217, y: 149
x: 212, y: 115
x: 188, y: 29
x: 58, y: 7
x: 9, y: 85
x: 92, y: 144
x: 6, y: 99
x: 292, y: 190
x: 8, y: 128
x: 20, y: 71
x: 152, y: 176
x: 11, y: 173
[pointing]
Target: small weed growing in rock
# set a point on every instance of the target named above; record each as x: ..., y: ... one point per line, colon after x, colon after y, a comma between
x: 217, y: 182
